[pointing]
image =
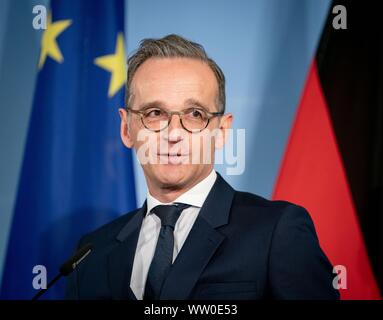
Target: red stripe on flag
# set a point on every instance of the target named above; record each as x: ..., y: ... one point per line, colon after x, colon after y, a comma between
x: 312, y: 175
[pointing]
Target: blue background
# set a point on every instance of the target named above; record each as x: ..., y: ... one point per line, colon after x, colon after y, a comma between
x: 264, y: 47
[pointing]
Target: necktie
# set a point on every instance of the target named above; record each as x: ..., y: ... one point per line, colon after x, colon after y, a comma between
x: 163, y: 255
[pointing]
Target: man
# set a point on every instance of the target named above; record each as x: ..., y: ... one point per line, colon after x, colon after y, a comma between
x: 195, y: 237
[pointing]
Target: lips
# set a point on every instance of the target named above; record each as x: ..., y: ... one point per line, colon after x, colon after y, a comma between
x: 172, y: 158
x: 172, y: 154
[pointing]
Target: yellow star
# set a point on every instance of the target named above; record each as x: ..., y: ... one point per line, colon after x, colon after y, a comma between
x: 49, y: 45
x: 115, y: 64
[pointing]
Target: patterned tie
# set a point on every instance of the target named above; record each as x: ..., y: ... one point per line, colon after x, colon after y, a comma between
x: 163, y: 255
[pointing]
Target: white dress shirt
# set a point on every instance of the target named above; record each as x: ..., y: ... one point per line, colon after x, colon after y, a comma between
x: 151, y: 226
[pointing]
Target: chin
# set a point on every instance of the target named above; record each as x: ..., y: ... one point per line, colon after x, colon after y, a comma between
x: 173, y: 175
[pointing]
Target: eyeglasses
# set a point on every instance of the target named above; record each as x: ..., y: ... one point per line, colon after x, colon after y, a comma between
x: 193, y: 119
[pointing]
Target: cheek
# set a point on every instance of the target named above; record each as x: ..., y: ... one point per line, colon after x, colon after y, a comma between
x: 139, y: 135
x: 146, y: 145
x: 202, y: 147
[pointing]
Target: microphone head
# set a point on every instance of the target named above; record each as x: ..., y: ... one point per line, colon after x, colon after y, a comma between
x: 71, y: 264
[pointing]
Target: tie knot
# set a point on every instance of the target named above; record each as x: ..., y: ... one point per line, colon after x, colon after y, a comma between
x: 169, y: 214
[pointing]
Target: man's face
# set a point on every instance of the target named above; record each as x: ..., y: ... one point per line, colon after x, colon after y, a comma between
x: 178, y: 159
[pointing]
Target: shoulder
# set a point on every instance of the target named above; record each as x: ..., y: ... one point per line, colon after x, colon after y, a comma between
x: 109, y: 231
x: 253, y: 210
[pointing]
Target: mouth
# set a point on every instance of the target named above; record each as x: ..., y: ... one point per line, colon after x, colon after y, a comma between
x: 172, y: 158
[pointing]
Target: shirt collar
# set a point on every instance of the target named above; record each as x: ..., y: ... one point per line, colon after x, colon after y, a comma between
x: 195, y: 197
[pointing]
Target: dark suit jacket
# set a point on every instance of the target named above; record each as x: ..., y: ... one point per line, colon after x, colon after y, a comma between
x: 241, y: 246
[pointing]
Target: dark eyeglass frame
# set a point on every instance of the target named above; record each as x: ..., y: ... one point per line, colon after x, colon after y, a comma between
x: 170, y: 114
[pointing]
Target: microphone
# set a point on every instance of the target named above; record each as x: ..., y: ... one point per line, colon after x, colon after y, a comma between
x: 68, y: 267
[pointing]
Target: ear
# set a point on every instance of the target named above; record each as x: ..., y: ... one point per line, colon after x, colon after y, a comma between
x: 124, y: 129
x: 225, y: 124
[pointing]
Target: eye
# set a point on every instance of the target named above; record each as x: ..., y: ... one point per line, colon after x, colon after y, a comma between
x: 154, y: 113
x: 196, y: 114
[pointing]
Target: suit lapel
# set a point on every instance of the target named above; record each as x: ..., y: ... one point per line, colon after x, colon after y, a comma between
x: 120, y: 259
x: 201, y: 243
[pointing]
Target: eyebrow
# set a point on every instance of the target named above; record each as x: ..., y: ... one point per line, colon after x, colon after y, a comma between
x: 159, y: 104
x: 151, y: 104
x: 195, y: 103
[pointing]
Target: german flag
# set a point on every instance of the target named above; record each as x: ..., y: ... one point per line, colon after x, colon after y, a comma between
x: 333, y: 163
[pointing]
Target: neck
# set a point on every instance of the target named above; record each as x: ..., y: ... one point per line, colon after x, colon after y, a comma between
x: 168, y: 193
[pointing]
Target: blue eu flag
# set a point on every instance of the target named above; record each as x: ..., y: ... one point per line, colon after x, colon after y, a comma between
x: 76, y: 174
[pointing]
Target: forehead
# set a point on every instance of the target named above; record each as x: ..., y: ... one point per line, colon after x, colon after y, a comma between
x: 173, y: 81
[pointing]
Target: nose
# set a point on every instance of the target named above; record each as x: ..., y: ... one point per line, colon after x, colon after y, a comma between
x: 175, y: 130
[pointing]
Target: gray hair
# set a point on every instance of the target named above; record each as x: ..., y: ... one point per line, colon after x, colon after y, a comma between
x: 173, y: 46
